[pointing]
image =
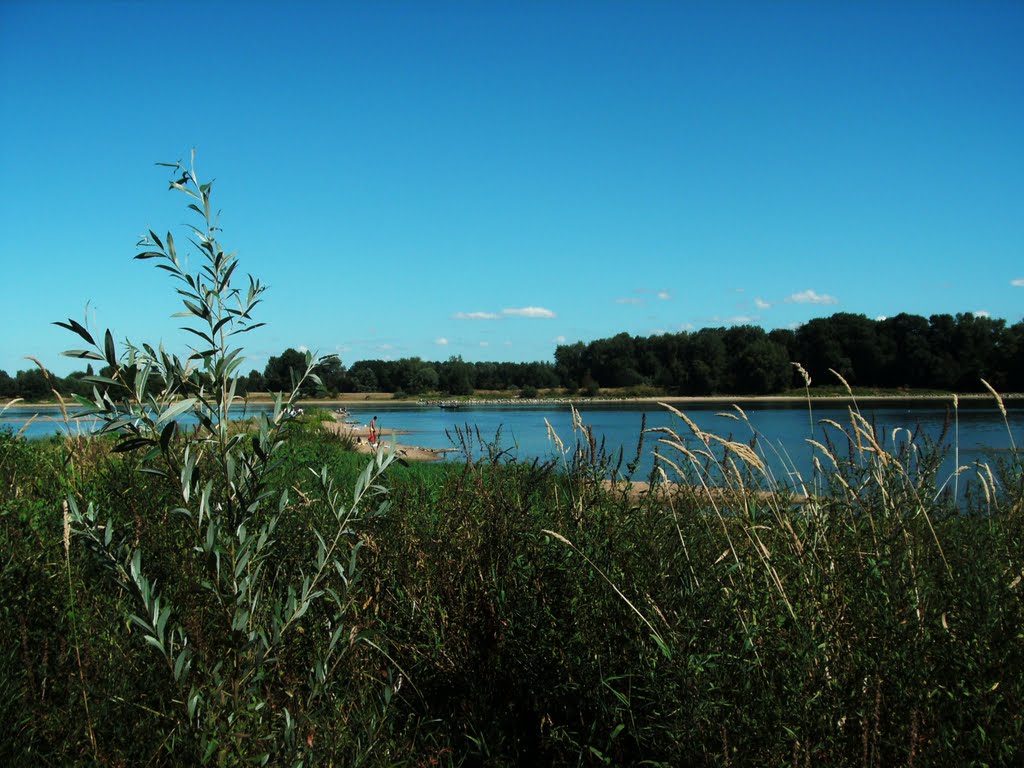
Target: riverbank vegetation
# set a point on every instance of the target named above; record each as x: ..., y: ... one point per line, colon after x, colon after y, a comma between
x: 904, y: 354
x: 260, y: 594
x: 504, y: 614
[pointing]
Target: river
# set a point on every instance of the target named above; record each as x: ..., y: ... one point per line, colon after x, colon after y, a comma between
x: 975, y: 432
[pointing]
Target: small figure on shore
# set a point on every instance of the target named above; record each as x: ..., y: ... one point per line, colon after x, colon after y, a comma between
x: 372, y: 438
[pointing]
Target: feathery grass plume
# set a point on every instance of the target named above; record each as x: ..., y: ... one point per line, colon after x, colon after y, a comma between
x: 844, y: 382
x: 862, y: 428
x: 824, y: 450
x: 997, y: 396
x: 835, y: 424
x: 554, y: 438
x: 803, y: 373
x: 697, y: 431
x: 807, y: 392
x: 1006, y: 421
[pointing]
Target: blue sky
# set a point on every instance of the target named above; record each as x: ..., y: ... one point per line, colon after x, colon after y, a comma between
x: 493, y: 179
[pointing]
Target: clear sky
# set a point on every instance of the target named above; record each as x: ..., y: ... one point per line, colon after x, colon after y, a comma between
x: 492, y: 179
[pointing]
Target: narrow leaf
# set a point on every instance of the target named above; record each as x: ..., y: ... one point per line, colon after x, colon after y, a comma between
x: 78, y: 328
x: 176, y: 410
x: 84, y: 354
x: 109, y: 350
x: 131, y: 444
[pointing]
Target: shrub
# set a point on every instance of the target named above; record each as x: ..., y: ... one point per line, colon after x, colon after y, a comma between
x: 242, y: 605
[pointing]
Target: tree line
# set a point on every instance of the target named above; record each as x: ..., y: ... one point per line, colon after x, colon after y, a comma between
x: 941, y: 352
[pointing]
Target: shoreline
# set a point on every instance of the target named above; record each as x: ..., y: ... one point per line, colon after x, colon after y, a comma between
x: 358, y: 434
x: 384, y: 399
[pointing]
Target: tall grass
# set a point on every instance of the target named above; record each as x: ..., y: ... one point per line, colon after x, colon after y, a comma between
x: 518, y: 613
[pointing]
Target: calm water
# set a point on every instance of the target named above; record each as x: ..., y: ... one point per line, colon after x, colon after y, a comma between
x: 782, y: 429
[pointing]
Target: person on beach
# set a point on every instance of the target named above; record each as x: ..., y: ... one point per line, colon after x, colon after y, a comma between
x: 372, y: 437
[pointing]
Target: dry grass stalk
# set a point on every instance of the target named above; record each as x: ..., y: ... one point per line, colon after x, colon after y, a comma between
x: 803, y: 373
x: 604, y: 576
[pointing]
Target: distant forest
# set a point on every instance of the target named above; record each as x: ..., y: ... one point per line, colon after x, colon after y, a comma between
x: 941, y: 352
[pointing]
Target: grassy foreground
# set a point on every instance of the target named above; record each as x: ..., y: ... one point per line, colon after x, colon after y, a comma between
x: 500, y: 613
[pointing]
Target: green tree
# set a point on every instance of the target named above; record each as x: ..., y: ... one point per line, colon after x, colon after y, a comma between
x: 364, y: 379
x: 707, y: 362
x: 31, y: 385
x: 283, y: 370
x: 757, y: 365
x: 914, y: 362
x: 570, y: 364
x: 455, y: 377
x: 7, y: 386
x: 332, y: 374
x: 820, y: 350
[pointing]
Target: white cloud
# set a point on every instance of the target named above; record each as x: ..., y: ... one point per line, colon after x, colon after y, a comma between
x: 1018, y: 283
x: 761, y: 303
x: 664, y: 295
x: 811, y: 297
x: 981, y: 313
x: 880, y: 318
x: 475, y: 316
x: 485, y: 343
x: 302, y: 348
x: 629, y: 301
x: 743, y: 319
x: 529, y: 312
x: 559, y: 339
x: 441, y: 342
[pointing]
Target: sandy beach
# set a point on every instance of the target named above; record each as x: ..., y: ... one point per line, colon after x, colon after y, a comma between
x: 359, y: 435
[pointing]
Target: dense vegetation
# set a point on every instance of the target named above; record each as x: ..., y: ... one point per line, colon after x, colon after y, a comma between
x: 198, y: 596
x: 943, y: 352
x: 509, y: 614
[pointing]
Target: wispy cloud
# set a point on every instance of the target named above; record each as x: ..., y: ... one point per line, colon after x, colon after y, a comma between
x: 559, y: 339
x: 475, y: 316
x: 664, y: 295
x: 1018, y: 283
x: 762, y: 304
x: 743, y: 319
x: 981, y: 313
x: 633, y: 301
x: 485, y: 343
x: 811, y: 297
x: 441, y: 342
x: 529, y: 312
